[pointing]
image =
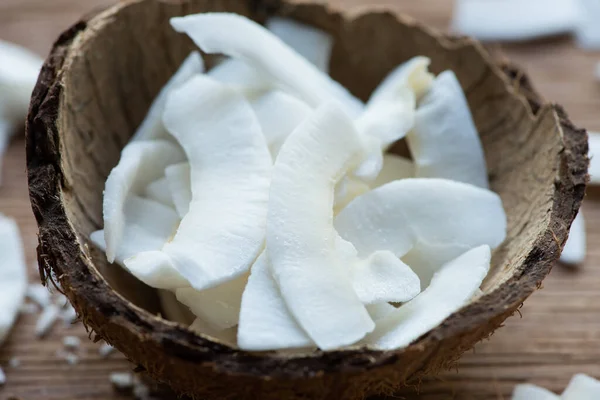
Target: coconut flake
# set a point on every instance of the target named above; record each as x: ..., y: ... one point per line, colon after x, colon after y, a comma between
x: 71, y: 342
x: 347, y: 190
x: 594, y: 155
x: 218, y: 306
x: 301, y: 239
x: 380, y: 310
x: 573, y: 252
x: 514, y: 20
x: 13, y: 274
x: 46, y: 320
x: 241, y: 38
x: 68, y: 315
x: 587, y: 29
x: 152, y: 126
x: 105, y: 350
x: 582, y: 387
x: 39, y: 294
x: 141, y: 163
x: 239, y: 74
x: 19, y: 71
x: 223, y: 232
x: 180, y: 187
x: 159, y: 191
x: 311, y: 43
x: 528, y: 391
x: 122, y: 380
x: 172, y: 309
x: 394, y: 168
x: 451, y: 287
x: 278, y: 113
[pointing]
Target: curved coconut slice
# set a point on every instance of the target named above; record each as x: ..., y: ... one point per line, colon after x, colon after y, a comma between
x: 236, y: 72
x: 528, y: 391
x: 582, y: 387
x: 311, y: 43
x: 424, y: 219
x: 514, y: 20
x: 412, y: 74
x: 219, y: 306
x: 265, y: 322
x: 180, y: 186
x: 223, y: 232
x: 574, y: 251
x: 384, y: 278
x: 174, y: 310
x: 159, y: 191
x: 13, y: 274
x: 152, y: 126
x: 594, y: 155
x: 347, y: 190
x: 241, y: 38
x: 278, y: 113
x: 451, y: 287
x: 148, y: 225
x: 444, y: 142
x: 380, y: 311
x: 141, y: 163
x: 300, y: 234
x: 394, y: 168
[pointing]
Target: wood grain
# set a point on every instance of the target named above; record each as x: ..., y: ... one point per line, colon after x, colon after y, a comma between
x: 559, y: 334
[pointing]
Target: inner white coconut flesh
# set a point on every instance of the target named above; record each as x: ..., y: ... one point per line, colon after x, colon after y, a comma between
x: 259, y: 198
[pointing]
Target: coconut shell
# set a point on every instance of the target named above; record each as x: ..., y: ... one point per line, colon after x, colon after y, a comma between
x: 95, y: 88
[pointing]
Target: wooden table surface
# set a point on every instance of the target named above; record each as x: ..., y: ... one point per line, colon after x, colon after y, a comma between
x: 558, y: 335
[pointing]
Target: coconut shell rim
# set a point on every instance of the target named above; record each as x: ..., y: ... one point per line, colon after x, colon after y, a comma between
x: 61, y: 255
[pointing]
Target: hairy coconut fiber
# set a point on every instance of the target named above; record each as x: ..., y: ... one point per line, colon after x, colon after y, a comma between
x: 96, y: 87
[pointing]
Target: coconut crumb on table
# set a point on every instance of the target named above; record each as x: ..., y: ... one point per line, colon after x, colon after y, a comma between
x: 105, y: 350
x: 46, y: 320
x: 121, y: 380
x: 14, y: 362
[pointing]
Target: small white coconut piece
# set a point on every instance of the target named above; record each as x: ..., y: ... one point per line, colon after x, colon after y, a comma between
x: 394, y: 168
x: 574, y: 251
x: 514, y: 20
x: 223, y: 232
x: 346, y: 190
x: 444, y: 142
x: 159, y: 191
x: 39, y: 294
x: 180, y: 187
x: 582, y: 387
x: 427, y: 222
x: 46, y: 320
x: 380, y: 310
x: 13, y: 274
x: 152, y: 126
x: 528, y: 391
x: 71, y: 342
x: 105, y: 350
x: 311, y: 43
x: 2, y: 377
x: 68, y: 315
x: 218, y: 306
x: 587, y: 30
x: 19, y: 71
x: 122, y: 380
x: 451, y: 288
x: 239, y: 74
x: 300, y: 235
x: 239, y: 37
x: 594, y: 155
x: 141, y: 163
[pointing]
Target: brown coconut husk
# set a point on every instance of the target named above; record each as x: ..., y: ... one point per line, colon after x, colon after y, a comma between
x: 96, y: 87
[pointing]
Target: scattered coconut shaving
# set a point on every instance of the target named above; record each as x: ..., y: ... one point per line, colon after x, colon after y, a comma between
x: 68, y: 315
x: 575, y: 248
x: 122, y: 380
x: 38, y: 293
x: 71, y: 342
x: 581, y: 387
x: 46, y: 320
x: 70, y: 357
x: 105, y: 350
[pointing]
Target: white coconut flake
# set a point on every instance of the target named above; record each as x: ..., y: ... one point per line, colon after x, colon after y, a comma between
x: 347, y: 190
x: 46, y: 320
x: 28, y: 308
x: 451, y: 287
x: 239, y: 74
x: 122, y: 380
x: 582, y: 387
x: 13, y: 274
x: 152, y: 126
x: 311, y: 43
x: 141, y: 391
x: 60, y: 300
x: 241, y: 38
x: 141, y: 163
x: 528, y: 391
x: 180, y: 187
x: 105, y: 350
x: 587, y: 29
x: 68, y: 315
x: 218, y: 306
x: 2, y: 377
x: 444, y: 142
x: 394, y: 168
x: 159, y: 191
x: 594, y: 155
x: 71, y: 342
x: 301, y: 239
x: 514, y: 20
x: 39, y: 294
x: 575, y: 248
x: 427, y: 222
x: 223, y: 232
x: 380, y: 310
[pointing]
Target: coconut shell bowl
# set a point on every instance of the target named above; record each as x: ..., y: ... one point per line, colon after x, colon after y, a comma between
x: 96, y: 87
